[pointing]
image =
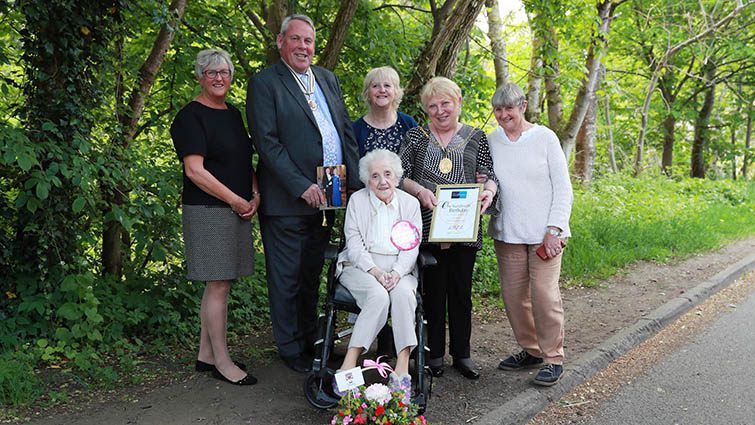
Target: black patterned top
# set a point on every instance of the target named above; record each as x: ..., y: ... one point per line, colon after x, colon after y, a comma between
x: 371, y: 138
x: 420, y: 157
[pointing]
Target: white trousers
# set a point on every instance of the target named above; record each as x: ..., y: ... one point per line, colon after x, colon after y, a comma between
x: 375, y: 301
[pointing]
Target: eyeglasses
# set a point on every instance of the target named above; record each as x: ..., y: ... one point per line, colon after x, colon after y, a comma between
x: 212, y: 73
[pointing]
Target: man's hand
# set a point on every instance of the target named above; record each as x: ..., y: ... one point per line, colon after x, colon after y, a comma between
x: 313, y: 196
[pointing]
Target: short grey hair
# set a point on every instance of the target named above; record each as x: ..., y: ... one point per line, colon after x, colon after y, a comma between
x: 508, y: 95
x: 212, y: 57
x: 383, y: 73
x: 380, y: 155
x: 304, y: 18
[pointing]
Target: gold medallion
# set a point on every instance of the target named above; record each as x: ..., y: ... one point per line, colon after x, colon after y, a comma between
x: 312, y: 104
x: 445, y: 165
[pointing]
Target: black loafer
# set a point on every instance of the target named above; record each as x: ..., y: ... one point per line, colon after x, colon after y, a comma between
x: 299, y: 364
x: 437, y: 371
x: 201, y: 366
x: 467, y: 372
x: 247, y: 380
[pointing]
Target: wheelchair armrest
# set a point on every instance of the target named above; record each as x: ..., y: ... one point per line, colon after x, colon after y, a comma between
x: 426, y: 259
x: 331, y: 252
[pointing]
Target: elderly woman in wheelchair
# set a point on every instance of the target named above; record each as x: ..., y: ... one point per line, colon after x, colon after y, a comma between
x: 380, y: 277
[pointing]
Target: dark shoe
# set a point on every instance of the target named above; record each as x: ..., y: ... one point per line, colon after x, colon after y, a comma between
x: 521, y: 360
x: 247, y: 380
x: 549, y: 374
x: 437, y: 371
x: 467, y: 372
x: 301, y: 364
x: 201, y: 366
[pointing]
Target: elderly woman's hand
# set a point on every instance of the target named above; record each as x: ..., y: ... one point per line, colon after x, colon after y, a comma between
x: 391, y: 280
x: 552, y: 245
x: 254, y: 205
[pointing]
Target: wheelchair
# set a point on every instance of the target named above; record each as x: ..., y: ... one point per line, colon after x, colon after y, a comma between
x: 318, y: 383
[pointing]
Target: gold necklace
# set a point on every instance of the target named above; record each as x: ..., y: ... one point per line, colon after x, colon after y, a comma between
x: 446, y: 165
x: 309, y: 89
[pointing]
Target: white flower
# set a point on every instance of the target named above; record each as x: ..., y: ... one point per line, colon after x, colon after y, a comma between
x: 378, y: 393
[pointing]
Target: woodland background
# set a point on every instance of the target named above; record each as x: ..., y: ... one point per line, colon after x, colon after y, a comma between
x: 652, y: 100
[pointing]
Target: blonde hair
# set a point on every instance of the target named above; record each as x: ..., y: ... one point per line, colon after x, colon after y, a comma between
x: 385, y: 73
x: 439, y: 87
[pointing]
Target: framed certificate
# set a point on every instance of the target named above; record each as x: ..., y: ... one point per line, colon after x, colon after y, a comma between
x: 456, y: 218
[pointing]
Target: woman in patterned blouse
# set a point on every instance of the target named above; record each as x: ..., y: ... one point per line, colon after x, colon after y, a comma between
x: 384, y: 126
x: 446, y: 151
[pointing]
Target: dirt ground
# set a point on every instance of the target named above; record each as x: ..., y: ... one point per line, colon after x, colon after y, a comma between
x: 592, y: 316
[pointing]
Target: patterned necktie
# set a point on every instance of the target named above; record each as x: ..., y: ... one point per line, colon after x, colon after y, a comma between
x: 327, y: 131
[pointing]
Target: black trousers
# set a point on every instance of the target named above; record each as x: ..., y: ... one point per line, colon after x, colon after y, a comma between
x: 294, y: 256
x: 449, y: 284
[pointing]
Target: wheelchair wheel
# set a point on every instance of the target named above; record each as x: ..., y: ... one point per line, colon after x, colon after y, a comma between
x: 314, y: 390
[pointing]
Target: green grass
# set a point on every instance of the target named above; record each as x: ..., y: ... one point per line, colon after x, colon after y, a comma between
x: 621, y: 220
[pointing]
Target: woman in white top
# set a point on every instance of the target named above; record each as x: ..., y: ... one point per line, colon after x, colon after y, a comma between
x: 379, y: 276
x: 535, y: 204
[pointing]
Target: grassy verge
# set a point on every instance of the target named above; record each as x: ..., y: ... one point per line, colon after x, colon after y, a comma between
x: 621, y: 220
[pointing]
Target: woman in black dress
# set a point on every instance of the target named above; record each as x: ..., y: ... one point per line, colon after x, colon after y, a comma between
x: 219, y: 197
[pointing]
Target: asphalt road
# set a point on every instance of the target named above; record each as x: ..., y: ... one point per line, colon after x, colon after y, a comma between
x: 711, y: 380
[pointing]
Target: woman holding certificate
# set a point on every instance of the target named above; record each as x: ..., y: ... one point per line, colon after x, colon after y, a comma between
x: 446, y: 152
x: 536, y: 197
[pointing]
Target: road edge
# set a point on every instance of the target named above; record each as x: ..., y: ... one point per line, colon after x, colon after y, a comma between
x: 532, y: 401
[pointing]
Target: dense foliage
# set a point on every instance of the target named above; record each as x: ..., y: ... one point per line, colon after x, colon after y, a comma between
x: 72, y: 168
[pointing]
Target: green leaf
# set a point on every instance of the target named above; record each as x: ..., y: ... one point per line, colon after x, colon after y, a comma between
x: 42, y: 190
x: 70, y: 311
x: 78, y: 204
x: 42, y: 342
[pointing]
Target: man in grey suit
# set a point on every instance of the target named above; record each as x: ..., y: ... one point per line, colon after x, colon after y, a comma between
x: 298, y: 121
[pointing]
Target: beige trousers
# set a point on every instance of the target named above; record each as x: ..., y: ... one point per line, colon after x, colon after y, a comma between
x: 375, y: 302
x: 529, y: 287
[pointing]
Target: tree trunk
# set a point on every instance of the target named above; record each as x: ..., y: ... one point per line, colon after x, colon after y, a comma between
x: 534, y: 81
x: 497, y: 43
x: 611, y: 151
x: 339, y: 29
x: 113, y: 233
x: 584, y: 157
x: 734, y: 155
x: 552, y: 86
x: 701, y: 123
x: 667, y: 160
x: 460, y: 23
x: 746, y: 159
x: 440, y: 52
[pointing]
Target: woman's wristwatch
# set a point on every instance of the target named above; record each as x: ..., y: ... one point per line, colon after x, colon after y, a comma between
x: 553, y: 232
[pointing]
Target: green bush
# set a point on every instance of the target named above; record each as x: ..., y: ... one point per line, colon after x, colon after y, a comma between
x: 18, y: 383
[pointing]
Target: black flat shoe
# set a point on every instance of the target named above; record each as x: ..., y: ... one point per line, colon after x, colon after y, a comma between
x: 467, y: 372
x: 437, y: 371
x: 201, y: 366
x: 247, y: 380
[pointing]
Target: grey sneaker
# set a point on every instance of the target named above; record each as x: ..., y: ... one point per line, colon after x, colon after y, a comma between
x: 549, y: 374
x: 521, y: 360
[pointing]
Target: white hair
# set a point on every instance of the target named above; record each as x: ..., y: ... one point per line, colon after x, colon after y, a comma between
x: 377, y: 155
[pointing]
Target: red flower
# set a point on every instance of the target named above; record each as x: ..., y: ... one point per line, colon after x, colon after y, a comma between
x: 379, y: 411
x: 401, y: 403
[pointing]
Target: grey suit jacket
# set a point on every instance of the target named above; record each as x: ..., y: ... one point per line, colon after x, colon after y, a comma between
x: 288, y: 141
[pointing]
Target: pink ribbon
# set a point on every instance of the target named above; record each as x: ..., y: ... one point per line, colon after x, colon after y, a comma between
x: 381, y: 367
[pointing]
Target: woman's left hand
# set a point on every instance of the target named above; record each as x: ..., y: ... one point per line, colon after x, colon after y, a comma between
x: 486, y: 198
x: 391, y: 280
x: 552, y: 245
x: 254, y: 204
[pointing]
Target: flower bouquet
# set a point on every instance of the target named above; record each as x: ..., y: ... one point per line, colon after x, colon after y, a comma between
x: 376, y: 404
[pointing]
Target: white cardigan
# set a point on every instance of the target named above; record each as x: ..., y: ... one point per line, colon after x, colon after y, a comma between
x: 534, y: 186
x: 358, y: 225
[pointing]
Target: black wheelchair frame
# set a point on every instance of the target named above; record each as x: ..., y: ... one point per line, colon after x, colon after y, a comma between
x: 317, y: 384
